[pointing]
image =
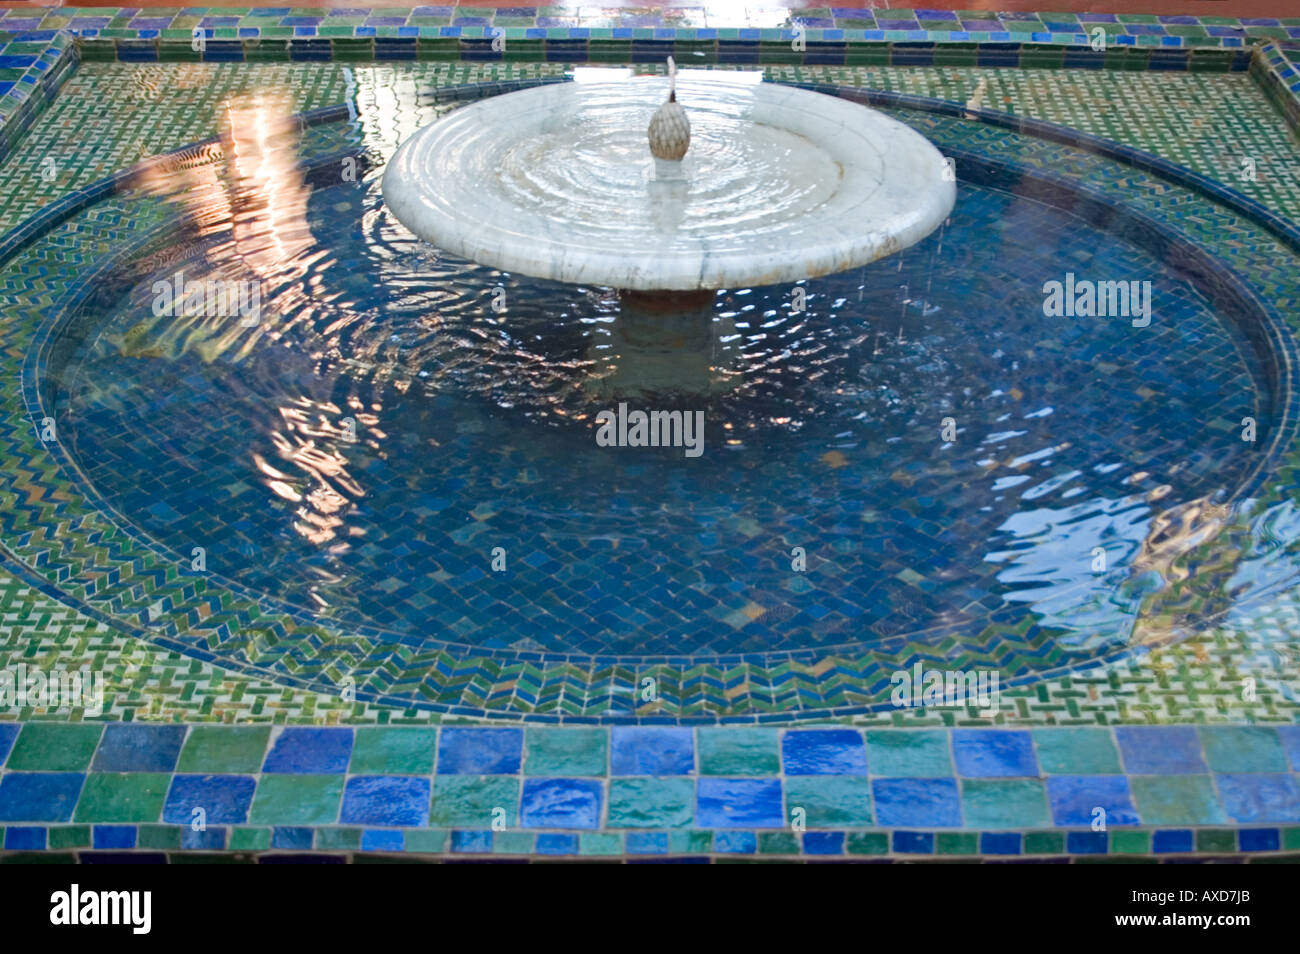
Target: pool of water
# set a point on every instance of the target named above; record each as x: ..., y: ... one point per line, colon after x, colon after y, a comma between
x: 398, y: 415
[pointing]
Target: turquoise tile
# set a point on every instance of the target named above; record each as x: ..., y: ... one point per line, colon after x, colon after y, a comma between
x: 651, y: 802
x: 1245, y: 748
x: 829, y: 801
x: 1077, y: 751
x: 600, y: 843
x: 566, y: 752
x: 394, y: 750
x: 739, y: 751
x: 483, y: 802
x: 224, y: 750
x: 908, y: 754
x: 289, y: 800
x: 998, y: 803
x: 1176, y: 800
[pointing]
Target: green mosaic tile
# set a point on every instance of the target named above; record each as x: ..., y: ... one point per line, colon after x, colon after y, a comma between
x: 1130, y: 842
x: 1176, y: 800
x: 122, y: 797
x: 338, y: 839
x: 52, y: 747
x: 1243, y: 749
x: 514, y: 842
x: 565, y: 752
x: 956, y: 843
x: 738, y: 751
x: 1077, y: 751
x: 651, y: 802
x: 829, y: 801
x: 1211, y: 840
x: 70, y: 836
x: 161, y: 837
x: 777, y: 843
x: 394, y: 751
x: 258, y: 839
x: 993, y: 804
x: 690, y: 842
x: 1044, y: 842
x: 1291, y: 839
x: 867, y: 843
x: 600, y: 843
x: 424, y: 840
x: 296, y: 800
x: 232, y: 750
x: 470, y: 801
x: 908, y: 754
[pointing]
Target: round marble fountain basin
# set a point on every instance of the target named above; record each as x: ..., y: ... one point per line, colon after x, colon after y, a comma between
x: 557, y: 182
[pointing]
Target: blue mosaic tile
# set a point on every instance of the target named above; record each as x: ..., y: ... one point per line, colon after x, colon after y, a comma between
x: 24, y: 839
x: 382, y: 840
x: 916, y: 802
x: 1161, y: 750
x: 1260, y: 798
x: 8, y: 732
x: 114, y: 836
x: 735, y: 842
x: 561, y: 803
x: 739, y: 803
x: 1086, y: 843
x: 646, y: 843
x: 823, y: 842
x: 302, y: 751
x: 224, y: 799
x: 823, y: 752
x: 1000, y: 843
x: 637, y: 750
x: 1259, y: 839
x: 1248, y: 748
x: 1290, y: 738
x: 1074, y: 799
x: 557, y: 843
x: 471, y: 842
x: 1173, y: 840
x: 39, y: 796
x: 139, y: 748
x: 211, y: 838
x: 386, y: 800
x: 992, y: 753
x: 913, y: 842
x: 480, y: 751
x: 291, y: 839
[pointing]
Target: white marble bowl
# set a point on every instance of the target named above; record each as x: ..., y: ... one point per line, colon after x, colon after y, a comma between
x: 557, y: 182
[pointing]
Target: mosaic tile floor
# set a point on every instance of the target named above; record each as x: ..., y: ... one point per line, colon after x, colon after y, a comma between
x: 1217, y: 804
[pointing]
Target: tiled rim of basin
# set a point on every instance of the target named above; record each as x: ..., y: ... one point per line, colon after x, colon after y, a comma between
x: 620, y: 674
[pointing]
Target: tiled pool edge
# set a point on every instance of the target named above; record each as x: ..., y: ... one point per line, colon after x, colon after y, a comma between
x: 1171, y: 792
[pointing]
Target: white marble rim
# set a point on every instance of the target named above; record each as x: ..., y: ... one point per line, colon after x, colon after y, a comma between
x: 893, y: 192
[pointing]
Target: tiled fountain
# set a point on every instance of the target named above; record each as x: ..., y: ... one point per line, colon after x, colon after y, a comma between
x: 430, y: 614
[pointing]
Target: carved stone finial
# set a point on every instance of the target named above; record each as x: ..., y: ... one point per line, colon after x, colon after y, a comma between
x: 670, y: 130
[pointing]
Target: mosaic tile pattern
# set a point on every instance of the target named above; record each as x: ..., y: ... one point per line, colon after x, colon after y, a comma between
x: 1276, y: 67
x: 652, y: 791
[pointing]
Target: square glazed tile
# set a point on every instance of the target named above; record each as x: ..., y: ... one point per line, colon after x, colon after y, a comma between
x: 829, y: 801
x: 1075, y: 799
x: 480, y: 751
x: 139, y: 747
x: 651, y: 750
x: 302, y: 751
x: 474, y: 801
x: 823, y: 752
x: 1260, y: 798
x: 54, y: 747
x: 651, y: 802
x: 561, y: 803
x: 297, y: 800
x: 1161, y: 750
x: 224, y: 799
x: 993, y: 804
x: 739, y: 751
x: 388, y: 800
x: 1076, y: 751
x: 993, y: 753
x: 222, y: 749
x: 394, y: 751
x: 1243, y: 748
x: 739, y: 803
x: 39, y: 796
x: 566, y: 752
x: 1176, y: 800
x: 916, y: 802
x: 123, y: 797
x: 911, y: 754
